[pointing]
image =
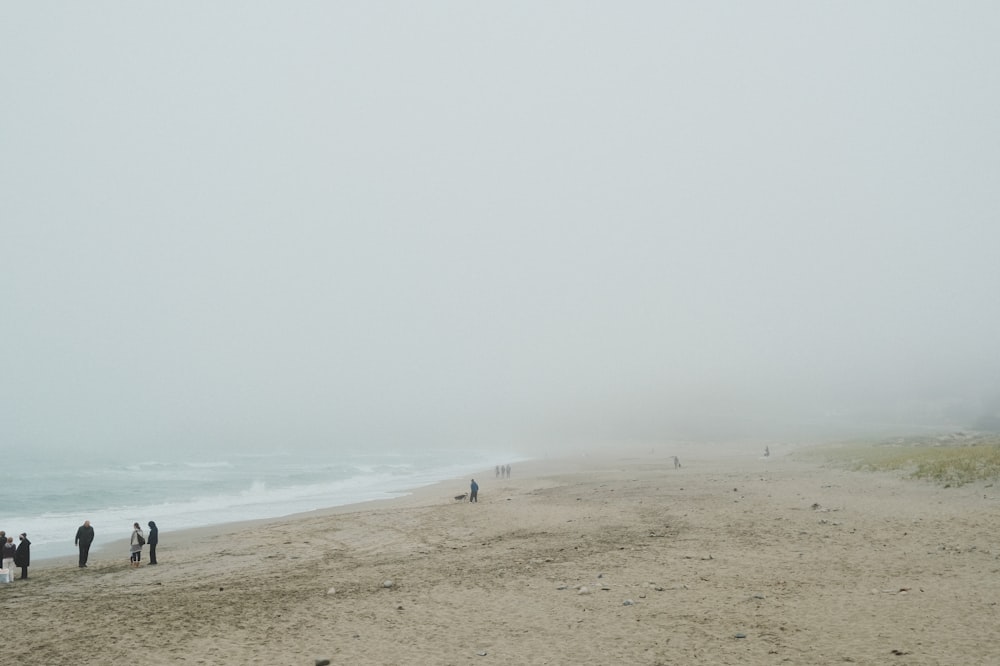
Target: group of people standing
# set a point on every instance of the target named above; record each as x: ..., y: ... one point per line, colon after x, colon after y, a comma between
x: 85, y: 537
x: 503, y: 471
x: 18, y: 555
x: 138, y: 540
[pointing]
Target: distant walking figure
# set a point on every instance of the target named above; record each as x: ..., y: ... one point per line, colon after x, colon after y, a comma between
x: 22, y: 557
x: 767, y: 452
x: 474, y: 492
x: 508, y: 471
x: 135, y: 545
x: 154, y: 538
x: 677, y: 462
x: 84, y: 537
x: 498, y: 471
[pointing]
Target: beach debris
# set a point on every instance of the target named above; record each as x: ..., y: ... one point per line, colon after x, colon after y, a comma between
x: 899, y: 653
x: 815, y: 506
x: 387, y: 584
x: 482, y: 653
x: 739, y: 635
x: 322, y: 662
x: 332, y: 590
x: 561, y: 586
x: 583, y: 589
x: 628, y: 602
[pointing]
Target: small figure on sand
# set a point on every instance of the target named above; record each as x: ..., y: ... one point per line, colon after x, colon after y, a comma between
x: 22, y: 556
x: 9, y: 550
x: 84, y: 537
x: 767, y: 452
x: 474, y: 492
x: 508, y: 470
x: 135, y: 545
x: 154, y: 538
x: 677, y: 462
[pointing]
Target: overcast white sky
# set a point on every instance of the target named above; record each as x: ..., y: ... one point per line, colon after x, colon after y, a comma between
x: 508, y: 223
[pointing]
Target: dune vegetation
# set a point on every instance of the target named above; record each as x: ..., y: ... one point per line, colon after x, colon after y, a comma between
x: 948, y: 460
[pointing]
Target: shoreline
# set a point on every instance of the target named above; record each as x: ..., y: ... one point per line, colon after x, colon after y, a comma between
x: 527, y: 469
x: 211, y: 488
x: 429, y: 492
x: 103, y: 547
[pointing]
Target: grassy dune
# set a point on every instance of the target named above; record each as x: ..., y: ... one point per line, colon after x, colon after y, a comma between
x: 948, y: 460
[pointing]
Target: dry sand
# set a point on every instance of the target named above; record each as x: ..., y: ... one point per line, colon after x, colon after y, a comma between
x: 734, y: 560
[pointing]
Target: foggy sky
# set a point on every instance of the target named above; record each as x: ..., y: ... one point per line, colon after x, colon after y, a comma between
x: 497, y: 224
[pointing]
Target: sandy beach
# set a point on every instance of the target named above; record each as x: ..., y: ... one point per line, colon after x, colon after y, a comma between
x: 732, y: 559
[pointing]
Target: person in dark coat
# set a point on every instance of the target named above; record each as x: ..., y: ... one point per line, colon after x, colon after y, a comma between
x: 151, y: 541
x: 474, y: 491
x: 84, y: 537
x: 22, y: 557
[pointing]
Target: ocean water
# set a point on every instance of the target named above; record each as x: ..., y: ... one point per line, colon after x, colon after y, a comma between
x: 49, y: 498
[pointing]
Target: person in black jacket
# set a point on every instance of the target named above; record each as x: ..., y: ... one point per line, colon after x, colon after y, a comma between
x: 152, y: 540
x: 22, y: 557
x: 84, y: 537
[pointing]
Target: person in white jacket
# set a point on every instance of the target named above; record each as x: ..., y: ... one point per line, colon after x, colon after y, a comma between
x: 9, y: 549
x: 135, y: 544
